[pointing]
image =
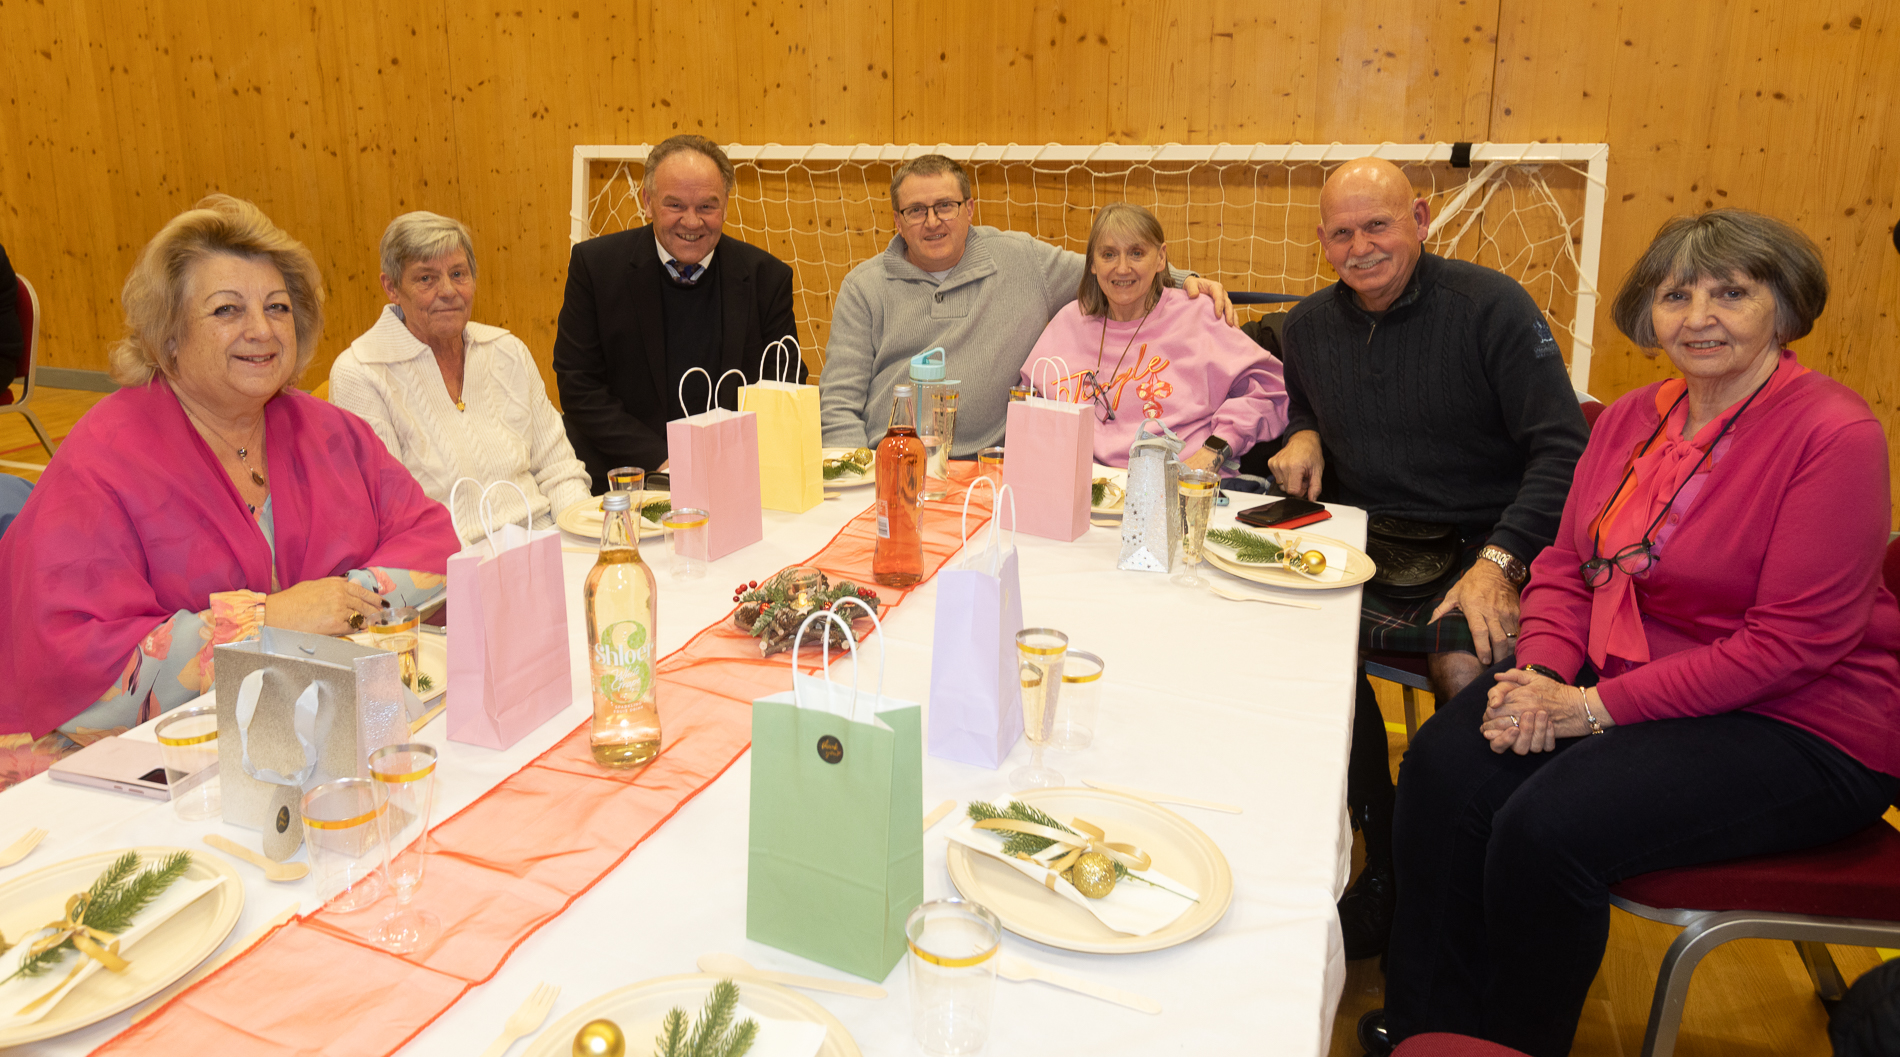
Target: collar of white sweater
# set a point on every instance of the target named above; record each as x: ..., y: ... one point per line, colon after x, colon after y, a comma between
x: 390, y: 341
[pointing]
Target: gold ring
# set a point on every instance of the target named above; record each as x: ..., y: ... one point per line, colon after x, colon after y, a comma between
x: 357, y: 621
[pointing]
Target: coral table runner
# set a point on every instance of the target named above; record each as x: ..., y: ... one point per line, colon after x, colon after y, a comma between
x: 509, y: 862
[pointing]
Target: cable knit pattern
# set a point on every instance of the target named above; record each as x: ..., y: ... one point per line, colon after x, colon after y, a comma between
x: 510, y: 431
x: 1452, y: 407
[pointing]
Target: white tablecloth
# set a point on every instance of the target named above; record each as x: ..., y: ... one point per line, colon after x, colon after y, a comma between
x: 1239, y: 702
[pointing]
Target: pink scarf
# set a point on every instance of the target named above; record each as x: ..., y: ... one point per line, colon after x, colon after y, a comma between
x: 135, y: 520
x: 1657, y: 474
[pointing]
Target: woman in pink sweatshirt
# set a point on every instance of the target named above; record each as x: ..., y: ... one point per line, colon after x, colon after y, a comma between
x: 1706, y: 668
x: 1138, y: 348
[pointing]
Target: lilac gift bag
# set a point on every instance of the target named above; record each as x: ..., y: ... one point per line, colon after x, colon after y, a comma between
x: 1051, y: 449
x: 508, y: 668
x: 976, y: 707
x: 713, y: 461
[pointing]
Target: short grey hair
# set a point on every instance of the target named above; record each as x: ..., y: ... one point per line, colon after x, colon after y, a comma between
x: 696, y: 144
x: 423, y: 236
x: 154, y: 293
x: 929, y: 165
x: 1721, y: 244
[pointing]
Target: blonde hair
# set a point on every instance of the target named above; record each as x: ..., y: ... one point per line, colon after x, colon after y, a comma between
x: 1129, y: 223
x: 154, y: 293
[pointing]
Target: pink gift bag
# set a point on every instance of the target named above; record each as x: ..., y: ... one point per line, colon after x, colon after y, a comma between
x: 976, y: 703
x: 1050, y: 450
x: 508, y: 670
x: 713, y: 461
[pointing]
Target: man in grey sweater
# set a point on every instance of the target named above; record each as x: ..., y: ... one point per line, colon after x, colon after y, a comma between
x: 983, y: 294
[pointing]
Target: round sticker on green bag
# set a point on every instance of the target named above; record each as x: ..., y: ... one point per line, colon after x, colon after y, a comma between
x: 830, y: 749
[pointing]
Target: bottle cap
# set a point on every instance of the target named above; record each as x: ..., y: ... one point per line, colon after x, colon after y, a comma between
x: 925, y: 369
x: 904, y: 389
x: 617, y: 501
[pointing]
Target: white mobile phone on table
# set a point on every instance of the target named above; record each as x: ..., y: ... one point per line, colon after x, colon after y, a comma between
x: 119, y: 764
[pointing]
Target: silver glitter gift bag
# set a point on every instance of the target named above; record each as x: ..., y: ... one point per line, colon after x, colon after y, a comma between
x: 1151, y: 511
x: 296, y: 710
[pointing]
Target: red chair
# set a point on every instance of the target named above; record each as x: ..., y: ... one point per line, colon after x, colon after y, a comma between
x: 30, y: 328
x: 1846, y: 892
x: 1445, y: 1044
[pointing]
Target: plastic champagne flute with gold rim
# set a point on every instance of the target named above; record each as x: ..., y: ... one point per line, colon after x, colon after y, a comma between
x: 1039, y: 656
x: 1198, y: 491
x: 406, y: 774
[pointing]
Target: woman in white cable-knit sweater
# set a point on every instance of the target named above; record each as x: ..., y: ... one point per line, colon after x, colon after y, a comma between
x: 454, y: 398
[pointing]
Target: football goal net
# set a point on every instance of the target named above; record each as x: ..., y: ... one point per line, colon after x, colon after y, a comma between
x: 1245, y: 215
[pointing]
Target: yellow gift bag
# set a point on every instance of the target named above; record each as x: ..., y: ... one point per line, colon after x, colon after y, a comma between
x: 791, y: 454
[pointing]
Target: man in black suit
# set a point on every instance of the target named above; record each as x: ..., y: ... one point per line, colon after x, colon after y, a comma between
x: 645, y: 306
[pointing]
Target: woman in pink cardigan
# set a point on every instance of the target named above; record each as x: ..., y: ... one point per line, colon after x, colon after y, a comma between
x: 1706, y: 668
x: 1136, y: 347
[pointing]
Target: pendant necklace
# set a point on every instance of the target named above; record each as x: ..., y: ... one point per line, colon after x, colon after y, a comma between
x: 242, y: 452
x: 1100, y: 345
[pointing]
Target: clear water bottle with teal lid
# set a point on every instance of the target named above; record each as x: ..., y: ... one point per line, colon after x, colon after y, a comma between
x: 936, y: 418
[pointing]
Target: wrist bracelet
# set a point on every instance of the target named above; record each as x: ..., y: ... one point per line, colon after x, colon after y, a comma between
x: 1546, y: 672
x: 1595, y: 727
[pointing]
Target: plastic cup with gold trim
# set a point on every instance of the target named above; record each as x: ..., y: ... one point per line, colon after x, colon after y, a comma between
x: 343, y: 828
x: 1074, y: 728
x: 954, y: 947
x: 1039, y: 663
x: 188, y: 743
x: 406, y: 774
x: 989, y: 463
x: 689, y: 530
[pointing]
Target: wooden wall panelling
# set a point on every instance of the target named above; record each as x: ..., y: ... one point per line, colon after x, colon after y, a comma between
x: 1212, y: 71
x: 1411, y: 71
x: 1002, y: 72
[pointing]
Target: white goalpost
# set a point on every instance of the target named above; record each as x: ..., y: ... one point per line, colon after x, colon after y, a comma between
x: 1246, y: 215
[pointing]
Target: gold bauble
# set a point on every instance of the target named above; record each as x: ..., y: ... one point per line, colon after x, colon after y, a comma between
x: 1315, y: 562
x: 600, y: 1038
x: 1093, y: 875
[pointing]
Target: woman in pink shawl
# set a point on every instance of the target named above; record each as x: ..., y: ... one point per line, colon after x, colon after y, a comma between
x: 202, y: 500
x: 1706, y: 668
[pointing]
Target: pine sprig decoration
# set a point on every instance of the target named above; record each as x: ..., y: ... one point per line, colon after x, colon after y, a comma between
x: 856, y: 464
x: 1248, y: 547
x: 1024, y: 843
x: 113, y: 901
x: 714, y: 1034
x: 767, y: 611
x: 656, y: 510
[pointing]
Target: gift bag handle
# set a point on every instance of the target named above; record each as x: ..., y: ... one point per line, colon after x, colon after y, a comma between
x: 1166, y: 438
x: 883, y: 652
x: 304, y: 717
x: 798, y: 643
x: 1062, y: 371
x: 996, y: 516
x: 488, y: 513
x: 787, y: 361
x: 712, y: 393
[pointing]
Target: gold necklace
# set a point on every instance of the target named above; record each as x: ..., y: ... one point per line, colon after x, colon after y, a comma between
x: 242, y: 452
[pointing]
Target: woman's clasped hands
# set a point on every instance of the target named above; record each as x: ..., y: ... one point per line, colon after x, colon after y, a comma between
x: 1527, y: 712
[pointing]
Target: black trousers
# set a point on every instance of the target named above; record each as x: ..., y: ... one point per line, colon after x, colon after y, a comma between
x: 1504, y: 862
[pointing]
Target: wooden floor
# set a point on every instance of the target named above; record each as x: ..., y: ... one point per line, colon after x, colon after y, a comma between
x: 1750, y: 998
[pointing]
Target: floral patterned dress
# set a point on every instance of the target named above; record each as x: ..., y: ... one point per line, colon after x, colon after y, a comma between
x: 173, y: 664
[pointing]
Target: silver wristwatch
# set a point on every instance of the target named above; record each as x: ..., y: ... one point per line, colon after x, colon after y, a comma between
x: 1514, y: 569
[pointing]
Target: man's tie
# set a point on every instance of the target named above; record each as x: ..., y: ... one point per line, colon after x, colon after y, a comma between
x: 689, y: 273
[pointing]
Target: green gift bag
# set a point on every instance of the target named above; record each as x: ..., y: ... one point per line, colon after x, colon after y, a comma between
x: 836, y: 860
x: 791, y: 451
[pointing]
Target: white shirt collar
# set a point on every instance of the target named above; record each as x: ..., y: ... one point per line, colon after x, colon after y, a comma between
x: 672, y: 262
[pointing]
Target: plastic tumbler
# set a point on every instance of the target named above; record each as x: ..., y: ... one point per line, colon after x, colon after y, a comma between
x: 989, y: 463
x: 952, y: 968
x: 342, y: 828
x: 1081, y: 686
x: 689, y: 530
x: 188, y: 743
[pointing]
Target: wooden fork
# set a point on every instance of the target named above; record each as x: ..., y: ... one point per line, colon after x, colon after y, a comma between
x: 19, y: 849
x: 525, y: 1019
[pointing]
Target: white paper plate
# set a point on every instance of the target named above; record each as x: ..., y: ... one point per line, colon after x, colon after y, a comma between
x: 584, y: 518
x: 1359, y: 567
x: 848, y: 480
x: 639, y: 1009
x: 1026, y: 908
x: 159, y: 959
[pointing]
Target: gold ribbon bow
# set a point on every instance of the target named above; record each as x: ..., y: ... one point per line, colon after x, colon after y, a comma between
x: 101, y: 947
x: 1090, y: 839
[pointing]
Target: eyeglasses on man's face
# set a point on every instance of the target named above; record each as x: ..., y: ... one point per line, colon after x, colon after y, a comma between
x: 943, y: 211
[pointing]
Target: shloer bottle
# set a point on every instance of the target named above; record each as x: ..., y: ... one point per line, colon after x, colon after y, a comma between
x: 621, y: 613
x: 899, y: 558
